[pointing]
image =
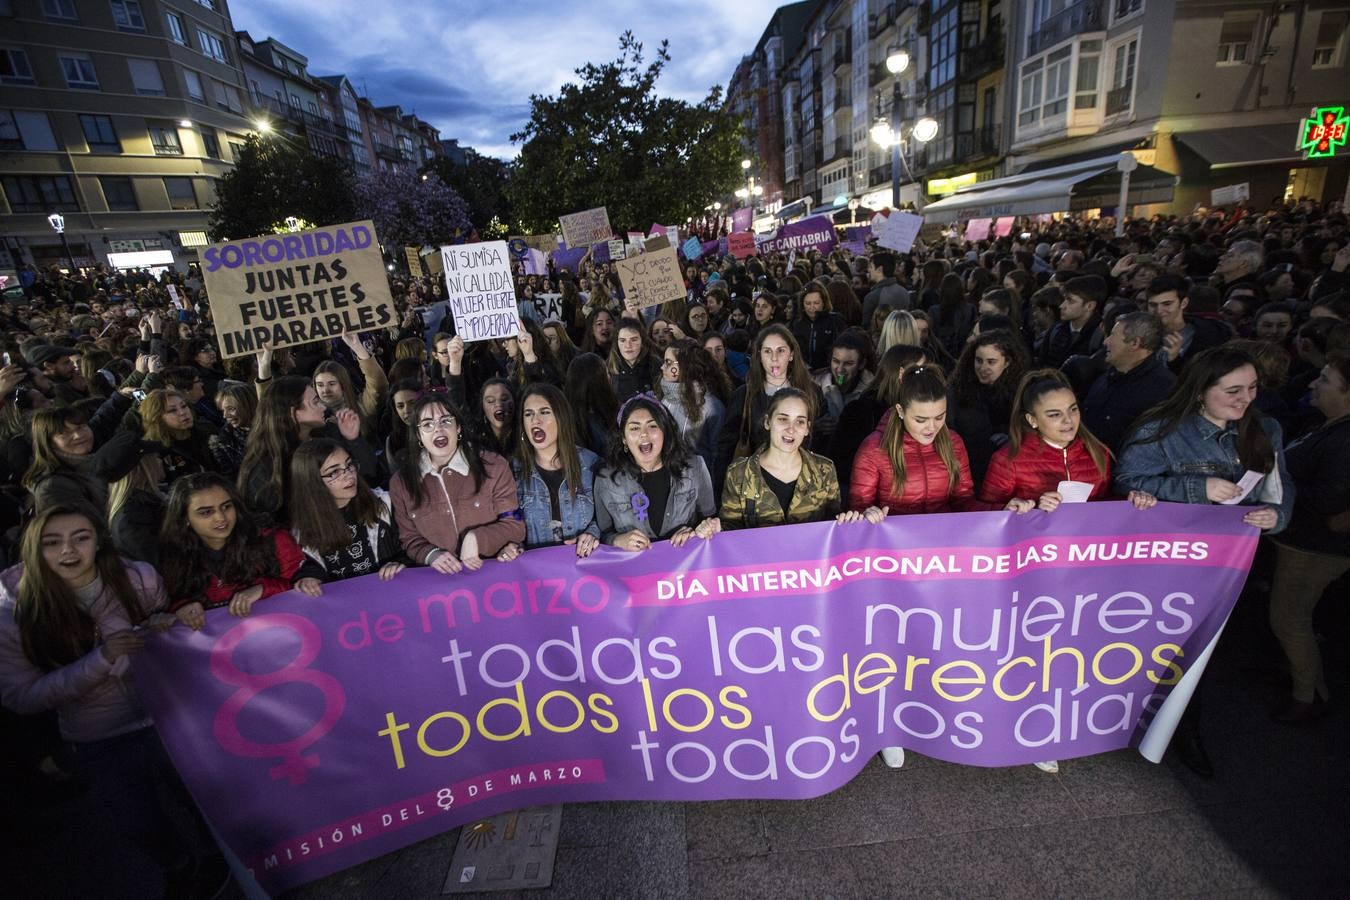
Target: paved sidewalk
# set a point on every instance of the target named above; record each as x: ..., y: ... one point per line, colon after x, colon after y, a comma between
x: 1274, y: 822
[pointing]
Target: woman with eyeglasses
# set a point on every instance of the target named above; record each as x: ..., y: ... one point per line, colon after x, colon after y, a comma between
x: 345, y: 528
x: 454, y: 505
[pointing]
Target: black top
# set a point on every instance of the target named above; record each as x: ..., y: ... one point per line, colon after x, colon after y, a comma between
x: 656, y: 485
x: 783, y: 490
x: 355, y: 559
x: 554, y: 480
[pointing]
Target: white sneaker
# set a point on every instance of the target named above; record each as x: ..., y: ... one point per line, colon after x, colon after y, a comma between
x: 1050, y: 765
x: 893, y: 756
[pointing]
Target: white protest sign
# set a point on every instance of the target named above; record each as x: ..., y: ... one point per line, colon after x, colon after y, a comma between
x: 897, y: 231
x: 481, y: 290
x: 542, y: 307
x: 616, y: 250
x: 173, y: 296
x: 581, y: 229
x: 1231, y: 195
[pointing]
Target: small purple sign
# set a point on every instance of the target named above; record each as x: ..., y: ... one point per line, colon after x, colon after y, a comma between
x: 321, y: 732
x: 569, y: 259
x: 742, y: 218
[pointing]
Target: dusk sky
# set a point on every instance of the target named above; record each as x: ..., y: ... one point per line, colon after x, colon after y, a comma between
x: 469, y: 68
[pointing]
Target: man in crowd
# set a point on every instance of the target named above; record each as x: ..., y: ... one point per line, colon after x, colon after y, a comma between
x: 1183, y: 336
x: 885, y: 289
x: 845, y: 379
x: 1135, y: 380
x: 1077, y: 333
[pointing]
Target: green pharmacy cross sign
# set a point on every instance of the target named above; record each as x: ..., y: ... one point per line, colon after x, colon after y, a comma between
x: 1323, y: 132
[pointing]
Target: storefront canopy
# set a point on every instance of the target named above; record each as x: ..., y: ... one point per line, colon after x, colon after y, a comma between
x: 1227, y: 148
x: 1074, y: 186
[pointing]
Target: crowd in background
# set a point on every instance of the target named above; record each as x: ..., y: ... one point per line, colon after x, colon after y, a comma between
x: 148, y: 481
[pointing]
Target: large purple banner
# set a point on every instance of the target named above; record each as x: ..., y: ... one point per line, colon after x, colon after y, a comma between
x: 318, y: 733
x: 815, y: 233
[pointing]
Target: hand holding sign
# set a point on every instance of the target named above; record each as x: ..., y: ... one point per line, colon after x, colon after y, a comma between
x: 480, y: 290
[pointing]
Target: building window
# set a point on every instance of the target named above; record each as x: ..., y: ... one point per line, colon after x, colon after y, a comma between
x: 26, y: 130
x: 1124, y: 9
x: 1057, y: 82
x: 209, y: 4
x: 99, y: 134
x: 60, y: 10
x: 164, y: 138
x: 146, y: 78
x: 39, y: 193
x: 1235, y: 38
x: 942, y: 40
x: 211, y: 45
x: 119, y: 194
x: 1327, y: 52
x: 127, y: 15
x: 79, y: 72
x: 210, y: 143
x: 14, y: 68
x: 226, y: 96
x: 236, y: 150
x: 1089, y: 64
x: 175, y: 26
x: 1123, y: 58
x: 194, y: 85
x: 1029, y: 95
x: 181, y: 193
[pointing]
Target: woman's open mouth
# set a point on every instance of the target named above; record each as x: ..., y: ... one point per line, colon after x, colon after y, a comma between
x: 537, y: 435
x: 440, y: 442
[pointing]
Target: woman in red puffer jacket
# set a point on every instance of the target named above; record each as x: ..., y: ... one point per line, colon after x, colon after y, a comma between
x: 1048, y: 446
x: 912, y: 463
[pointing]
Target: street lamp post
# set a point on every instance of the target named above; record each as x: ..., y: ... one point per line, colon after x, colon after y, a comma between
x: 58, y: 223
x: 886, y: 134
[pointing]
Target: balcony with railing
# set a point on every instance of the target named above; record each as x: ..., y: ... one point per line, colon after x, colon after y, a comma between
x: 839, y: 148
x: 388, y: 152
x: 1118, y: 100
x: 983, y: 58
x: 843, y: 59
x: 1084, y: 16
x: 983, y: 141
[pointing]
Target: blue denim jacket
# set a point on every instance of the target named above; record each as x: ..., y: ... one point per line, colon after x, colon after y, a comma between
x: 1175, y: 467
x: 577, y: 515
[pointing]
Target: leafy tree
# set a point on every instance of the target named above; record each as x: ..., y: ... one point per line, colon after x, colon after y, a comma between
x: 610, y: 141
x: 410, y: 210
x: 272, y: 180
x: 481, y: 181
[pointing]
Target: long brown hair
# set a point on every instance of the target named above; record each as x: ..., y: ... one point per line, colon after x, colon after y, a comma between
x: 1255, y: 451
x: 568, y: 454
x: 798, y: 376
x: 152, y: 416
x: 53, y: 628
x: 1035, y: 385
x: 344, y: 380
x: 410, y: 465
x: 271, y: 441
x: 315, y: 518
x: 919, y: 384
x: 644, y: 354
x: 47, y: 424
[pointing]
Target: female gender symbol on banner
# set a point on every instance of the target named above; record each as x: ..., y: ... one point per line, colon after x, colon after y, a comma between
x: 294, y: 767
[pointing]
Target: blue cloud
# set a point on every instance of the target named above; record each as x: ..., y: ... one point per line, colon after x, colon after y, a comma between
x: 469, y: 68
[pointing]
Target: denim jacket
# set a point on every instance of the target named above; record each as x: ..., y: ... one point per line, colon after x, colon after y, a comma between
x: 691, y: 500
x: 578, y: 514
x: 1175, y: 467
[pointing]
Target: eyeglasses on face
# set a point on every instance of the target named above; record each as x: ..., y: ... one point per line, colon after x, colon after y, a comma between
x: 431, y: 426
x: 333, y: 474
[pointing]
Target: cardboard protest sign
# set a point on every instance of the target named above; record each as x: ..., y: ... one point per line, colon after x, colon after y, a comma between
x: 414, y: 257
x: 481, y: 290
x: 693, y: 248
x: 977, y: 229
x: 616, y: 250
x: 1003, y: 226
x: 898, y: 231
x: 545, y: 242
x: 652, y: 278
x: 660, y: 242
x: 283, y: 290
x: 741, y: 244
x: 581, y: 229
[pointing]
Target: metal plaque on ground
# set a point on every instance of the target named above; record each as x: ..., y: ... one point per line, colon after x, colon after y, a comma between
x: 510, y: 852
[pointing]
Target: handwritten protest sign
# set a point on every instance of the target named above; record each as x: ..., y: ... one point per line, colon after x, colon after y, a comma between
x: 616, y: 249
x: 173, y: 296
x: 741, y: 244
x: 652, y: 278
x: 481, y: 291
x: 581, y: 229
x: 283, y: 290
x: 414, y: 257
x: 977, y: 229
x: 693, y: 248
x: 542, y: 307
x: 769, y: 663
x: 637, y: 240
x: 543, y: 242
x: 897, y: 231
x: 741, y: 219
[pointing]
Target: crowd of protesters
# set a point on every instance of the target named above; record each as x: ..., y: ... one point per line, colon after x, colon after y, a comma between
x: 149, y: 482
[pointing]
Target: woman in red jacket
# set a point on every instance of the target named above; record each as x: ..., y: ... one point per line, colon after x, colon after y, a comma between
x: 212, y: 554
x: 912, y: 462
x: 1049, y: 452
